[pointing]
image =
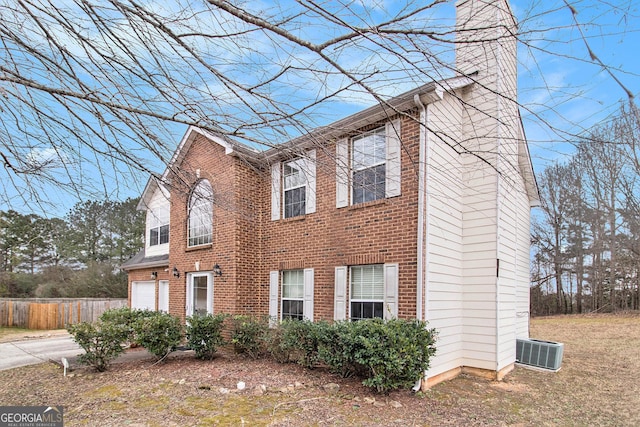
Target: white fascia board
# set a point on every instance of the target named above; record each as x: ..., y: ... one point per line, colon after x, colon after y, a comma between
x: 230, y: 148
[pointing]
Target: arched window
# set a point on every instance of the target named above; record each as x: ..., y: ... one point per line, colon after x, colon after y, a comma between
x: 201, y: 214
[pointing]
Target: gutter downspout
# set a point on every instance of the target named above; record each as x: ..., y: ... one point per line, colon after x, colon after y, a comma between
x: 422, y: 200
x: 421, y: 238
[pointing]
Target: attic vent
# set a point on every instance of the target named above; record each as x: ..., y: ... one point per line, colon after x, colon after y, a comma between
x: 538, y: 353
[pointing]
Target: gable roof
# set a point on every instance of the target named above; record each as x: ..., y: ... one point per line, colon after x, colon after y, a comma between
x: 424, y: 94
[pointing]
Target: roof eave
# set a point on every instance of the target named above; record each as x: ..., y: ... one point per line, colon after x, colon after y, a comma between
x: 428, y: 93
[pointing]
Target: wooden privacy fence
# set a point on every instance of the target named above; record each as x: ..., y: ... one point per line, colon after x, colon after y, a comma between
x: 53, y: 313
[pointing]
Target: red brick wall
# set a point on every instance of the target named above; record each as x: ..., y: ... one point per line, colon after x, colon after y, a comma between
x: 382, y: 231
x: 219, y: 169
x: 248, y: 245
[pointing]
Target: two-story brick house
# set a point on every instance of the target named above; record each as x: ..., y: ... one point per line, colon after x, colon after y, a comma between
x: 418, y: 208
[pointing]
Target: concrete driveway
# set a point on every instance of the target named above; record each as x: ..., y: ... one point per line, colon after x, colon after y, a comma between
x: 30, y: 352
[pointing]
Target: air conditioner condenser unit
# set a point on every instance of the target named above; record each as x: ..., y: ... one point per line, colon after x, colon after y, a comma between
x: 541, y: 354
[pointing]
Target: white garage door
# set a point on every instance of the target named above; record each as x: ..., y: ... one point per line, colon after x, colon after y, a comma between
x: 143, y: 295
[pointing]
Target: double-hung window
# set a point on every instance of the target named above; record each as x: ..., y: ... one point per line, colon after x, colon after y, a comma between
x: 159, y: 235
x: 368, y: 166
x: 367, y: 292
x: 201, y: 214
x: 368, y: 163
x: 292, y: 295
x: 158, y: 227
x: 295, y: 189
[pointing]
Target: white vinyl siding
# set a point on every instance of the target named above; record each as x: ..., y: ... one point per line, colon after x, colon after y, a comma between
x: 443, y: 279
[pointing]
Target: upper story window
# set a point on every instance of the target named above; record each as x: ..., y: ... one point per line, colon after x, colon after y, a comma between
x: 368, y: 164
x: 293, y: 187
x: 159, y: 235
x: 368, y: 167
x: 200, y: 228
x: 158, y: 225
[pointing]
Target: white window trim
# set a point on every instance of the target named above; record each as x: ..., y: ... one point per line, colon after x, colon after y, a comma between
x: 158, y: 231
x: 189, y: 309
x: 195, y: 207
x: 300, y: 163
x: 352, y: 167
x: 393, y: 169
x: 342, y: 303
x: 308, y: 165
x: 275, y: 292
x: 282, y: 298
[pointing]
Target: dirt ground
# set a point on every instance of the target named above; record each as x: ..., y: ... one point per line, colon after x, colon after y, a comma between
x: 597, y: 385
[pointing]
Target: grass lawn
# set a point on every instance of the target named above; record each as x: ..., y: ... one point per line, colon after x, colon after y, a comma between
x: 597, y: 386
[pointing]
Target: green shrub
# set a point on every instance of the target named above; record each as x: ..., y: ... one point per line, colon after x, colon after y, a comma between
x: 102, y: 342
x: 275, y: 344
x: 159, y: 333
x: 126, y: 317
x: 204, y: 334
x: 249, y: 335
x: 300, y: 340
x: 387, y: 354
x: 336, y: 346
x: 394, y: 353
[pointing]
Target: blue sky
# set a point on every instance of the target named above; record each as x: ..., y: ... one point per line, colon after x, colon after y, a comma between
x: 562, y: 90
x: 565, y: 91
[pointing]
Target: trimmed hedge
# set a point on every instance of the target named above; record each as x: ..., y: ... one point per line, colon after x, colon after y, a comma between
x: 102, y: 342
x: 160, y: 334
x: 249, y: 335
x: 204, y: 334
x: 387, y: 355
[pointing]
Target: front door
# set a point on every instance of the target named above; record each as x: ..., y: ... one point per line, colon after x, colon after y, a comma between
x: 199, y: 293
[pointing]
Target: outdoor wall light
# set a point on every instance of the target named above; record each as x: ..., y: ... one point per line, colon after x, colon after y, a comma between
x: 154, y: 275
x: 217, y: 271
x: 176, y: 273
